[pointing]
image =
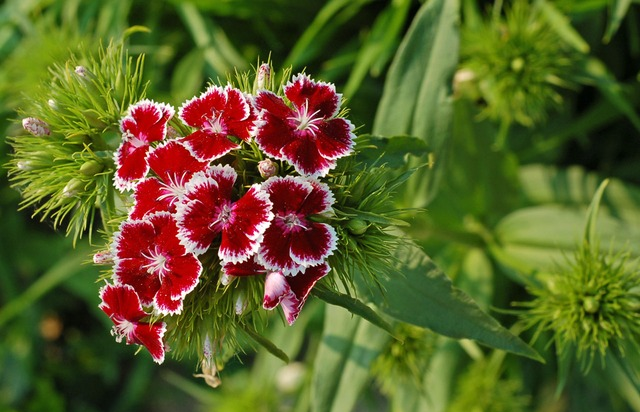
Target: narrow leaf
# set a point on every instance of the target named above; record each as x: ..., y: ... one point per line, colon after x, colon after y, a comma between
x: 560, y: 23
x: 353, y: 305
x: 617, y: 11
x: 265, y: 343
x: 592, y: 214
x: 422, y: 295
x: 416, y: 100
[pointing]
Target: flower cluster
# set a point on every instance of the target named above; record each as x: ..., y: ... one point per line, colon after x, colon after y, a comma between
x: 234, y: 190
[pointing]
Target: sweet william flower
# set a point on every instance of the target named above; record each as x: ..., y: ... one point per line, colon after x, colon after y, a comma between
x: 122, y: 304
x: 207, y: 210
x: 293, y: 241
x: 308, y: 134
x: 173, y: 165
x: 217, y: 114
x: 291, y: 292
x: 149, y: 256
x: 146, y: 122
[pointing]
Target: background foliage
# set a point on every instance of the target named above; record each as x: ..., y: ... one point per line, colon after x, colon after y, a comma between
x: 522, y: 128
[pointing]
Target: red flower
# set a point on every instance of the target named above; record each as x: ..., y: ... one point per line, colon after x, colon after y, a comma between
x: 290, y: 292
x: 307, y: 135
x: 174, y: 165
x: 149, y: 257
x: 122, y: 304
x: 145, y: 123
x: 218, y: 113
x: 207, y: 210
x: 293, y: 241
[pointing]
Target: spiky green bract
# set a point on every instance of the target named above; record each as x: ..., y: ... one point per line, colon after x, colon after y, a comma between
x: 68, y: 173
x: 213, y: 310
x: 484, y: 388
x: 404, y: 360
x: 517, y: 64
x: 591, y: 306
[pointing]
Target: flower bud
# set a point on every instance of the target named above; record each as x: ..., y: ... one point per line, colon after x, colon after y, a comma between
x: 36, y: 127
x: 241, y: 303
x: 72, y: 188
x: 52, y: 104
x: 81, y: 71
x: 172, y: 133
x: 104, y: 257
x: 267, y: 168
x: 357, y: 227
x: 91, y: 168
x: 264, y: 76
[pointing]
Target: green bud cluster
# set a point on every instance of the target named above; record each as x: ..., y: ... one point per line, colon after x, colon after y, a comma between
x: 517, y: 64
x: 591, y: 306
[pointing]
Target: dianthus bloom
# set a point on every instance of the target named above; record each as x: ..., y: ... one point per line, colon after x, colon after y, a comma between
x: 122, y: 304
x: 217, y: 114
x: 149, y: 257
x: 294, y: 242
x: 308, y: 135
x: 146, y: 122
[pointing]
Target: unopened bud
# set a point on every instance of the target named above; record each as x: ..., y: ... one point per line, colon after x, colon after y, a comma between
x: 517, y: 64
x: 591, y: 304
x: 36, y: 126
x: 52, y: 103
x: 103, y: 258
x: 172, y: 133
x: 24, y: 165
x: 241, y: 303
x: 225, y: 279
x: 264, y: 76
x: 72, y: 188
x: 267, y: 168
x: 357, y: 226
x: 91, y: 168
x: 81, y: 71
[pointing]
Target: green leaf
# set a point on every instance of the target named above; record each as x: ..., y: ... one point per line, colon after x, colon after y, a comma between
x: 349, y: 346
x: 391, y: 151
x: 596, y: 72
x: 560, y: 23
x: 416, y: 100
x: 592, y: 214
x: 353, y: 305
x: 422, y: 295
x: 265, y: 343
x: 617, y: 10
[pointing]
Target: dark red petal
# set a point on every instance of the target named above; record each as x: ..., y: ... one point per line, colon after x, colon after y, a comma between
x: 197, y: 212
x: 208, y: 146
x: 250, y: 217
x: 226, y: 177
x: 319, y: 96
x: 198, y: 110
x: 150, y: 336
x: 275, y: 289
x: 134, y: 237
x: 304, y: 155
x: 166, y: 230
x: 287, y: 194
x: 121, y: 301
x: 274, y: 251
x: 132, y: 272
x: 334, y: 138
x: 238, y: 114
x: 174, y: 163
x: 249, y: 267
x: 312, y: 246
x: 318, y: 201
x: 147, y: 120
x: 301, y: 286
x: 273, y: 104
x: 272, y: 133
x: 131, y: 165
x: 150, y: 197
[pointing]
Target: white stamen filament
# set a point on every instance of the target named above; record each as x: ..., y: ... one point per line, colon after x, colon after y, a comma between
x: 305, y: 120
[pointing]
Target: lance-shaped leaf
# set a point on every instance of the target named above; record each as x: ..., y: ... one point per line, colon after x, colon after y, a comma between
x: 421, y: 294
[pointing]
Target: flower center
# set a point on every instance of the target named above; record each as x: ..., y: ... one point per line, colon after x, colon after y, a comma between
x: 122, y: 328
x: 174, y: 188
x: 215, y: 124
x: 157, y: 263
x: 292, y: 221
x: 225, y: 217
x: 307, y: 121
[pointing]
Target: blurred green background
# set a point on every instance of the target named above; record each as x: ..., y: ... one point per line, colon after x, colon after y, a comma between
x: 55, y: 350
